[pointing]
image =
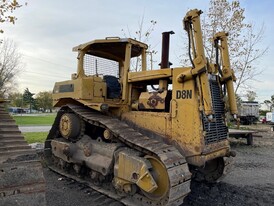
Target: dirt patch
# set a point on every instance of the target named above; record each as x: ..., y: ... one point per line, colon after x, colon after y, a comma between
x: 21, y: 158
x: 250, y: 182
x: 228, y: 194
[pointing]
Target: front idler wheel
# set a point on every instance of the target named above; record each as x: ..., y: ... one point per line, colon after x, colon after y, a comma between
x: 160, y: 175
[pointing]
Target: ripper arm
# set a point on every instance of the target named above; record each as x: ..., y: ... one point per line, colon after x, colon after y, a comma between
x: 228, y: 77
x: 200, y: 69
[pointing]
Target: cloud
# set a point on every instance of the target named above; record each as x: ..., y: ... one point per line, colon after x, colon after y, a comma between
x: 46, y: 31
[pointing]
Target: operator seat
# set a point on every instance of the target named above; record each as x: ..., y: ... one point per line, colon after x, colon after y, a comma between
x: 113, y: 87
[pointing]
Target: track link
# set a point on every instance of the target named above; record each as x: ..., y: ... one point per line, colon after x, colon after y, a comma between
x: 175, y: 163
x: 21, y: 175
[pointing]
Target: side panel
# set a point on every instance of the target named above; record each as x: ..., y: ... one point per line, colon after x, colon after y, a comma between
x: 199, y: 139
x: 187, y: 128
x: 181, y: 127
x: 76, y: 89
x: 88, y: 88
x: 184, y: 126
x: 149, y: 75
x: 157, y: 122
x: 249, y: 109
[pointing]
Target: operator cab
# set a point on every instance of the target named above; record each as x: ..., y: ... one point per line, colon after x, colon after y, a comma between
x: 109, y: 59
x: 102, y: 73
x: 107, y: 56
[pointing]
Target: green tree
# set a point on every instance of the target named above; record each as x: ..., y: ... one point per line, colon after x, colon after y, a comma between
x: 44, y: 101
x: 28, y: 98
x: 7, y: 7
x: 251, y: 95
x: 16, y: 99
x: 244, y: 41
x: 270, y: 103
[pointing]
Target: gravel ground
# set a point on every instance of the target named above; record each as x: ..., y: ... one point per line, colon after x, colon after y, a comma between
x: 251, y: 181
x: 67, y: 192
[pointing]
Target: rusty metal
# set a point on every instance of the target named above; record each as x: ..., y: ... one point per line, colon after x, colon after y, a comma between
x: 175, y: 164
x: 165, y: 49
x: 21, y: 175
x: 97, y: 155
x: 152, y: 100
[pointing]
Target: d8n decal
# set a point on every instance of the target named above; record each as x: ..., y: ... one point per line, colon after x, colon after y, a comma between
x: 183, y: 94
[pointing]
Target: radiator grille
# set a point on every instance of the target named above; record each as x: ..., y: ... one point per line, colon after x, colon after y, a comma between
x: 216, y: 130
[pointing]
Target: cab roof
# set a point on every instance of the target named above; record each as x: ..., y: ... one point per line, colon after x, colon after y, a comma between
x: 113, y: 48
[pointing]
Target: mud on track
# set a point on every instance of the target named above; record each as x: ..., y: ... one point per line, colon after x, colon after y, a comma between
x: 251, y: 181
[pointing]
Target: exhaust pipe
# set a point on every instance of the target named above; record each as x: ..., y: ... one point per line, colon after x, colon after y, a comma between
x: 165, y: 50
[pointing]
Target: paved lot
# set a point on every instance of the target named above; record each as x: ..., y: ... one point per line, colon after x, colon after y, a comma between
x: 34, y: 128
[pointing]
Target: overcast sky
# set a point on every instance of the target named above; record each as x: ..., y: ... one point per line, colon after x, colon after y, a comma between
x: 46, y: 31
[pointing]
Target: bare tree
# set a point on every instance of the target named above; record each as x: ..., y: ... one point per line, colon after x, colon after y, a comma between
x: 7, y: 7
x: 245, y: 67
x: 10, y: 65
x: 142, y: 34
x: 228, y: 16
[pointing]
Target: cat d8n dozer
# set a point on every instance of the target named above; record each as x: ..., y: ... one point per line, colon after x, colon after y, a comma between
x: 142, y: 147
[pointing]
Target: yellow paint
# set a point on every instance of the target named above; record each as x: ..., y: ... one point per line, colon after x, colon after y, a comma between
x: 134, y: 169
x: 228, y: 73
x: 180, y: 123
x: 148, y: 75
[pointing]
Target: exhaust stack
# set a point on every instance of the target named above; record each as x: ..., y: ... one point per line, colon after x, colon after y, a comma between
x: 165, y: 49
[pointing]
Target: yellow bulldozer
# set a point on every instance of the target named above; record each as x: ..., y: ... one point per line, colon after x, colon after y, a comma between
x: 140, y: 137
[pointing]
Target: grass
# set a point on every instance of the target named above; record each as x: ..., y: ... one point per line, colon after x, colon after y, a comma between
x: 32, y: 137
x: 35, y: 120
x: 42, y: 120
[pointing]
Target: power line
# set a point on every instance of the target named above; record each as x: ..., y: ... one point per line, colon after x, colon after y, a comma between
x: 45, y: 74
x: 43, y: 60
x: 47, y: 61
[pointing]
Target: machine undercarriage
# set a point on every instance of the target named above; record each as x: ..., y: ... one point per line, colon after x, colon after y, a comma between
x: 111, y: 154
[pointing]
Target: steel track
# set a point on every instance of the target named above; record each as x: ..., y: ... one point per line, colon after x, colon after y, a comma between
x: 175, y: 163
